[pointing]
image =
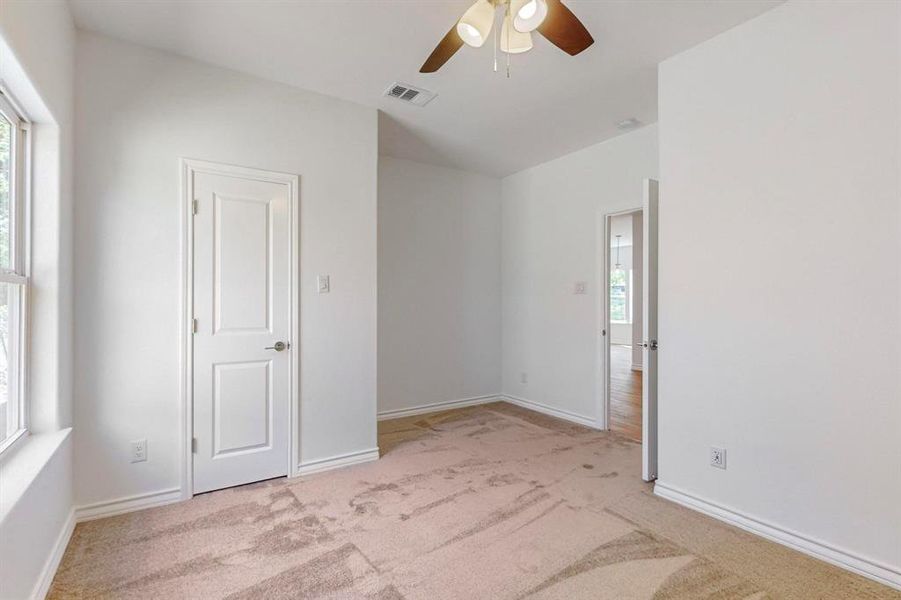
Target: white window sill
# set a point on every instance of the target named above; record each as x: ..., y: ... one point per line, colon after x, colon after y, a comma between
x: 21, y: 464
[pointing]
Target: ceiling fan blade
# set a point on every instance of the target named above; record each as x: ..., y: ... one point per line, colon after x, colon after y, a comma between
x: 446, y: 48
x: 563, y: 29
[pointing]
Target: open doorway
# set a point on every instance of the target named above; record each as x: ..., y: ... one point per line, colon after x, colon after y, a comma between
x: 629, y: 309
x: 625, y: 323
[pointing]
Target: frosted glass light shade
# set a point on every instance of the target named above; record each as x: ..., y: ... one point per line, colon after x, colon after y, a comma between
x: 528, y: 14
x: 475, y: 24
x: 514, y: 42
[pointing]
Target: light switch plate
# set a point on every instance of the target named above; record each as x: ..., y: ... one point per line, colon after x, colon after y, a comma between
x: 323, y: 283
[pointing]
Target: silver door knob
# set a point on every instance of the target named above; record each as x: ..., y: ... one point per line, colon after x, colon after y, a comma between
x: 278, y: 347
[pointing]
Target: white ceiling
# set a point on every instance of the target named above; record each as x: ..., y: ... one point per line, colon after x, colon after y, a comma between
x: 481, y: 121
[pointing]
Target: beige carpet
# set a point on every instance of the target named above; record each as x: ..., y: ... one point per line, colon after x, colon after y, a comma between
x: 487, y: 502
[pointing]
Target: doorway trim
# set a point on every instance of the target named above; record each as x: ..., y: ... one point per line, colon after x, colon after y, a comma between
x: 187, y: 168
x: 604, y: 335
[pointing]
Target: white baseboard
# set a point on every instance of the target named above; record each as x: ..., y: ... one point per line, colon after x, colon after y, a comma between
x: 884, y: 574
x: 437, y: 406
x: 110, y: 508
x: 336, y: 462
x: 549, y: 410
x: 476, y: 400
x: 56, y: 555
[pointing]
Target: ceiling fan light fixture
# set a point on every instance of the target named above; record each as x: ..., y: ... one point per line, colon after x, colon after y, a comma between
x: 513, y: 41
x: 551, y: 18
x: 528, y: 14
x: 475, y: 24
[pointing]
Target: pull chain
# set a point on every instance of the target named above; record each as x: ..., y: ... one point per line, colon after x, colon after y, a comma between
x: 495, y: 49
x: 508, y: 64
x: 509, y: 24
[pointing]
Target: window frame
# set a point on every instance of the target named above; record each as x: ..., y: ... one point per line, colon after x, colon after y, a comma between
x: 19, y: 270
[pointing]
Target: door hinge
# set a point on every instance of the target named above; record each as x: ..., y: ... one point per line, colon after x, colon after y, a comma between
x: 194, y: 326
x: 194, y: 445
x: 195, y: 207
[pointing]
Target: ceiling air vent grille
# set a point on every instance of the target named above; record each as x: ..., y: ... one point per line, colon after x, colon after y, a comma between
x: 409, y: 94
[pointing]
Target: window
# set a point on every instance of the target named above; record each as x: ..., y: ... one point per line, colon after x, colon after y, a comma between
x: 13, y: 275
x: 620, y: 296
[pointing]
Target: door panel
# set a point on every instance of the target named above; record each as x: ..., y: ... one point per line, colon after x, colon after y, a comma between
x: 649, y: 318
x: 242, y: 304
x: 242, y: 407
x: 242, y: 268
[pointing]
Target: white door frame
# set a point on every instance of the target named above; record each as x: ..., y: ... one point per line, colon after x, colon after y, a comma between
x: 188, y: 167
x: 650, y: 311
x: 603, y: 370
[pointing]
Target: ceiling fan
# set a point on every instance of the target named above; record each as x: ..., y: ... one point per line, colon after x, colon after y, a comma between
x: 550, y: 18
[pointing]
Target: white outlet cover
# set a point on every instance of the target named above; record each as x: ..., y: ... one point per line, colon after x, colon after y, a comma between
x: 718, y: 457
x: 139, y: 451
x: 323, y: 282
x: 580, y: 287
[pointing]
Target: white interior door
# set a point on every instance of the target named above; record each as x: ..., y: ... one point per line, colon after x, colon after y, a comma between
x: 649, y: 318
x: 242, y: 304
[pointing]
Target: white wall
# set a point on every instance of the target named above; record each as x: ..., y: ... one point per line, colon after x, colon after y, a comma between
x: 439, y: 285
x: 780, y: 138
x: 36, y: 516
x: 552, y: 237
x: 138, y: 111
x: 621, y: 333
x: 36, y: 64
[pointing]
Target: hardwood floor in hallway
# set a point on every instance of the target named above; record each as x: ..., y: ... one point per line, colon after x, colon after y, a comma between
x: 625, y: 393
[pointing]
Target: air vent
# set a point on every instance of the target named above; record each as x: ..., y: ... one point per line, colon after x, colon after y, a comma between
x: 627, y: 124
x: 409, y: 94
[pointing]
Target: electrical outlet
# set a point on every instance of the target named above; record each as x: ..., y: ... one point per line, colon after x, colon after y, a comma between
x: 718, y: 457
x: 580, y: 287
x: 138, y: 451
x: 323, y: 283
x: 524, y: 377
